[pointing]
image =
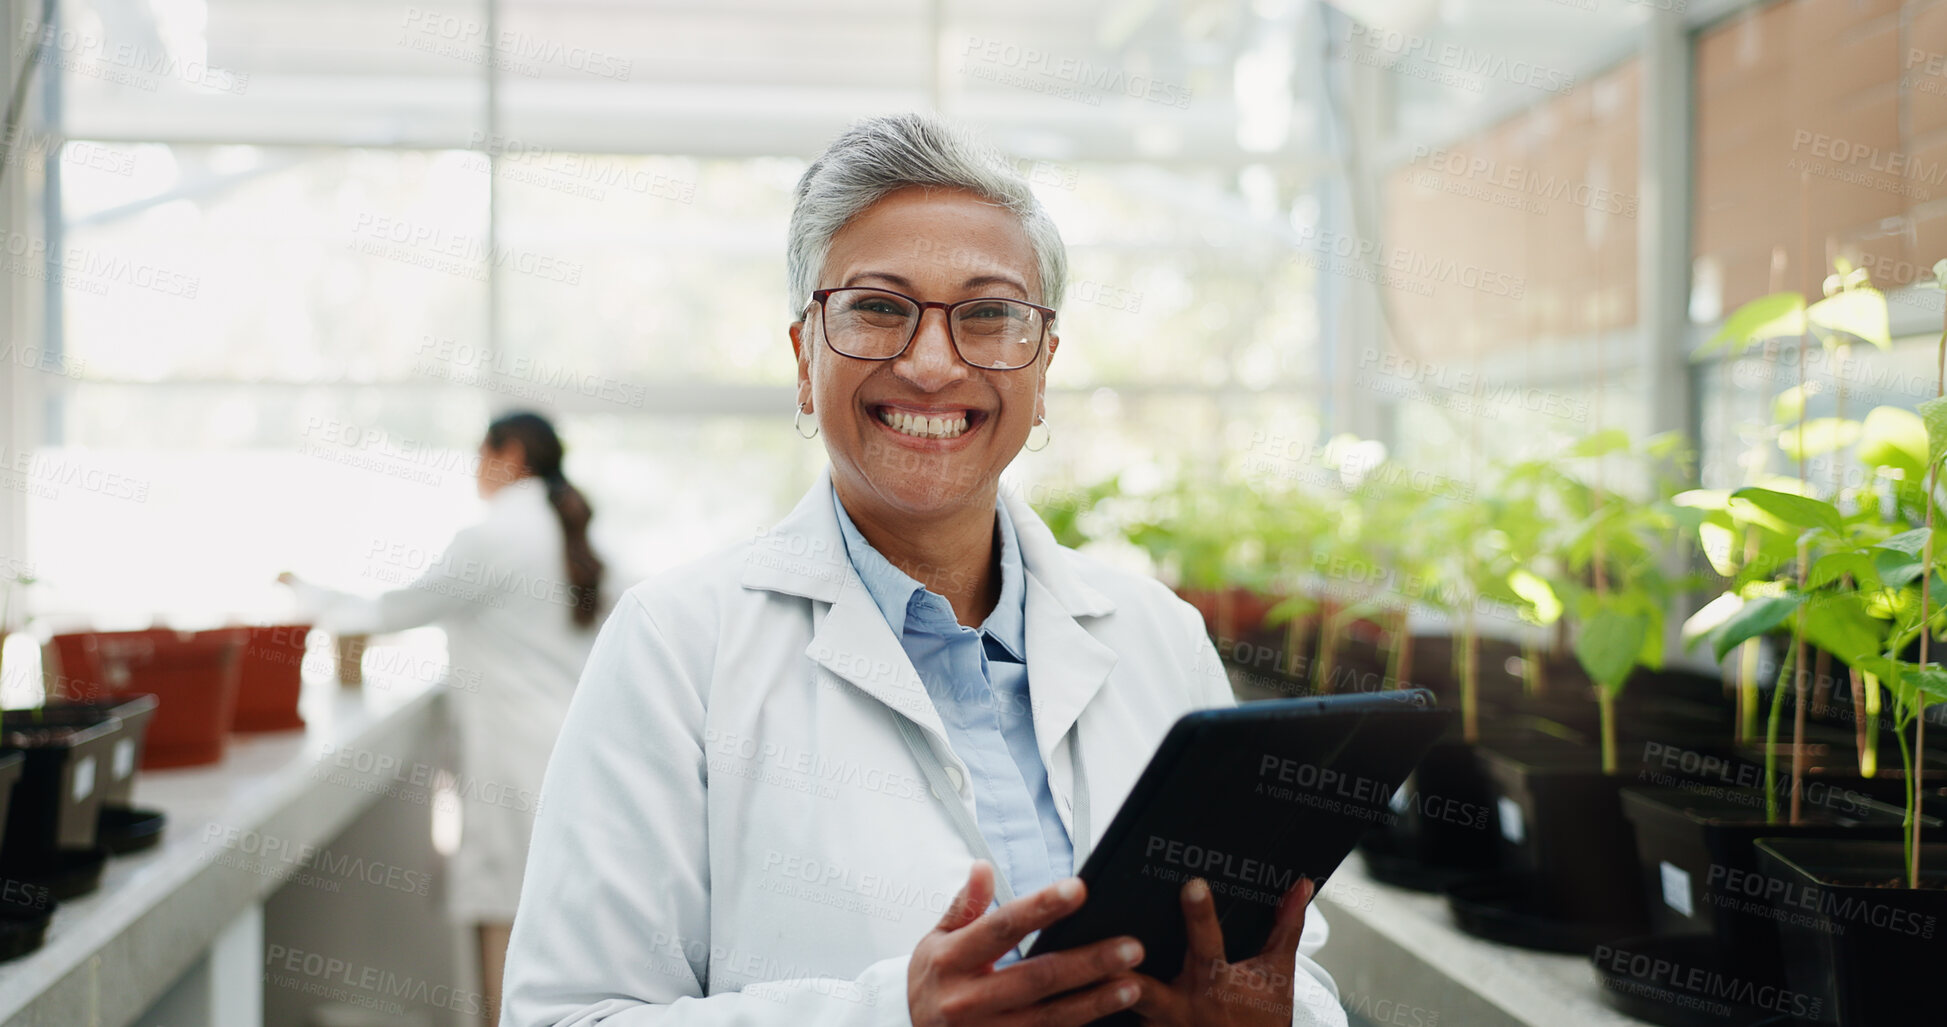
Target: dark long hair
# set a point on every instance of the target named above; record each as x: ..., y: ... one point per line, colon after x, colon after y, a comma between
x: 543, y: 449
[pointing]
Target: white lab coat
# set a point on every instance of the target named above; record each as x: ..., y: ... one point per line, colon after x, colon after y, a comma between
x: 513, y: 657
x: 733, y: 830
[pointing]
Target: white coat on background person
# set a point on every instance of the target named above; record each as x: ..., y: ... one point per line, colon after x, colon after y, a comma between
x: 771, y: 798
x: 507, y: 599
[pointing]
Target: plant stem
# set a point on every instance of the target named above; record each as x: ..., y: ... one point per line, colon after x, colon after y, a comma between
x: 1926, y: 635
x: 1910, y: 838
x: 1771, y: 732
x: 1606, y: 707
x: 1867, y: 745
x: 1470, y: 659
x: 1747, y: 691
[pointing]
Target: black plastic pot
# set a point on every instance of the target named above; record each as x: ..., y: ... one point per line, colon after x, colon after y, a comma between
x: 1699, y: 861
x: 1568, y: 877
x: 25, y: 908
x: 1859, y: 943
x: 123, y: 828
x: 54, y: 818
x: 1445, y: 827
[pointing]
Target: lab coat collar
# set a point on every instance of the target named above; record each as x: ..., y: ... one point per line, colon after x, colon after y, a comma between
x: 804, y: 555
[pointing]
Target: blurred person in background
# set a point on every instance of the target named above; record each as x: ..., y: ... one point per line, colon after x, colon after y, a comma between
x: 519, y: 596
x: 807, y: 780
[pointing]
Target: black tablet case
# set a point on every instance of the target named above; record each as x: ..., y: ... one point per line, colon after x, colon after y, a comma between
x: 1250, y: 798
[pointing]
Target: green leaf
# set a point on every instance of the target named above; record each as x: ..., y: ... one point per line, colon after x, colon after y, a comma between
x: 1933, y: 413
x: 1757, y: 617
x: 1609, y: 646
x: 1895, y: 568
x: 1789, y: 406
x: 1602, y: 443
x: 1840, y: 625
x: 1801, y: 511
x: 1776, y: 316
x: 1538, y: 595
x: 1834, y: 566
x: 1860, y: 313
x: 1821, y: 435
x: 1894, y: 437
x: 1709, y: 618
x: 1912, y: 543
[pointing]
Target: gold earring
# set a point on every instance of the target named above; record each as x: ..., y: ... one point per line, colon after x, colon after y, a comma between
x: 799, y: 427
x: 1047, y: 436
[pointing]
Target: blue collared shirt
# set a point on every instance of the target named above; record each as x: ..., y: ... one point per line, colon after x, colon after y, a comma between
x: 978, y: 680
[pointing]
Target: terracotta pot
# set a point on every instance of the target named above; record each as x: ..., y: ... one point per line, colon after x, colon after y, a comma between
x: 269, y: 677
x: 193, y: 677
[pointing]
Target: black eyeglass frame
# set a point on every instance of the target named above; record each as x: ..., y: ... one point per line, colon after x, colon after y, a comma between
x: 819, y: 296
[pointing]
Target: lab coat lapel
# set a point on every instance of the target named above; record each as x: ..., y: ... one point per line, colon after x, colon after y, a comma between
x: 804, y: 555
x: 1067, y: 665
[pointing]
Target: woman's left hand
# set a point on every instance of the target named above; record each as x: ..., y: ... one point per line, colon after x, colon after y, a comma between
x: 1210, y: 992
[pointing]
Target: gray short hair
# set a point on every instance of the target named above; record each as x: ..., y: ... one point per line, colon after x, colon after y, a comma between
x: 879, y: 155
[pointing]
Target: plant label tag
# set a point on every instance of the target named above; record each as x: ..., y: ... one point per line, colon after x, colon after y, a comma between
x: 1513, y: 827
x: 84, y: 778
x: 1676, y: 887
x: 124, y: 759
x: 1398, y: 801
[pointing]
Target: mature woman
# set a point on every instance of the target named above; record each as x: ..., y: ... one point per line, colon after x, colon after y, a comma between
x: 519, y: 595
x: 842, y: 772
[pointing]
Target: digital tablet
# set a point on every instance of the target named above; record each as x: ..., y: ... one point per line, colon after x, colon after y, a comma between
x: 1250, y: 798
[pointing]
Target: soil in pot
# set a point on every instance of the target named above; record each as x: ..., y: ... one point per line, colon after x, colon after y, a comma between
x: 1856, y: 940
x: 1568, y: 862
x: 269, y: 678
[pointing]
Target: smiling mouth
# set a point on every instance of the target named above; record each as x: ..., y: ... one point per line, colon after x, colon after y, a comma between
x: 921, y: 426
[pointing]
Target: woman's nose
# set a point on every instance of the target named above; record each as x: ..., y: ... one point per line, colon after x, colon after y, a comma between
x: 930, y: 362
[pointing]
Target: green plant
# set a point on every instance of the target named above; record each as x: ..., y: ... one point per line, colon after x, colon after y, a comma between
x: 1759, y: 537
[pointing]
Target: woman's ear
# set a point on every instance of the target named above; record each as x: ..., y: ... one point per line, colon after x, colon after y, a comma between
x: 802, y: 351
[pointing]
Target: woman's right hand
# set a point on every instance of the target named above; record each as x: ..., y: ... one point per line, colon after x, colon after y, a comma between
x: 951, y: 981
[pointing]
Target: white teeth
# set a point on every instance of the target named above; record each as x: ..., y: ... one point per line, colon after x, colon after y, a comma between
x: 923, y: 427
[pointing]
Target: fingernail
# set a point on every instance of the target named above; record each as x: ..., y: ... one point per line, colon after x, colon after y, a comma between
x: 1198, y: 890
x: 1130, y: 952
x: 1126, y: 995
x: 1069, y: 889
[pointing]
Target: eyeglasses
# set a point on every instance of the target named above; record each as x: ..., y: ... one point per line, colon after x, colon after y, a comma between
x: 988, y: 332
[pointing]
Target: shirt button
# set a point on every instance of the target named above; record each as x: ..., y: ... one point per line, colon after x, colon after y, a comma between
x: 955, y: 778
